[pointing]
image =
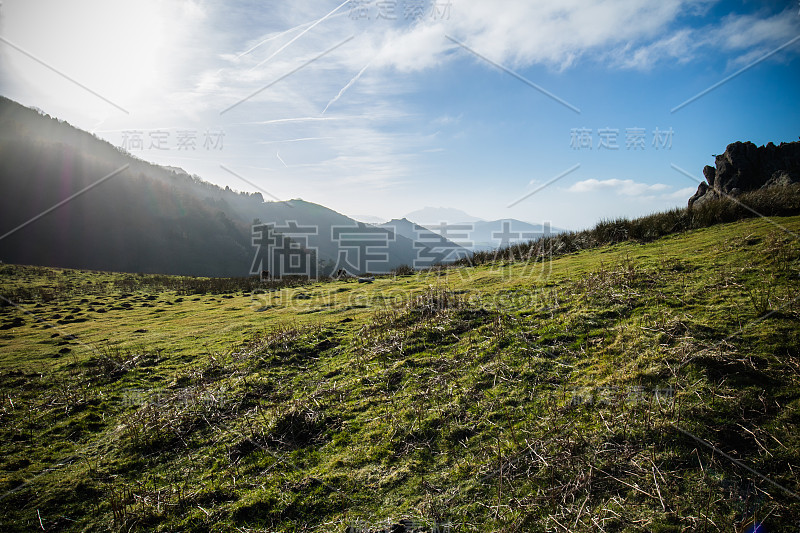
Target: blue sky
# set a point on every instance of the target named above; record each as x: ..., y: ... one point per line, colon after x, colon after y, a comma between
x: 403, y: 113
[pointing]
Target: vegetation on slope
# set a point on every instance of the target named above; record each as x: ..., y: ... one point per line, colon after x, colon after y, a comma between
x: 640, y: 387
x: 778, y: 201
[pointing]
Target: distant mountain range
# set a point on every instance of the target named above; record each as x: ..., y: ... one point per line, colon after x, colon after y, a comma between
x: 484, y: 235
x: 474, y: 234
x: 501, y: 233
x: 369, y: 219
x: 436, y: 215
x: 70, y: 199
x: 430, y: 247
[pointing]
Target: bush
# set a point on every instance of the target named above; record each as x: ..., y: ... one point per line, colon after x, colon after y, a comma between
x: 403, y: 270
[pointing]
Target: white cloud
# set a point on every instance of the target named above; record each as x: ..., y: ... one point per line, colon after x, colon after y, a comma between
x: 740, y: 32
x: 634, y: 34
x: 681, y: 194
x: 678, y: 46
x: 749, y: 35
x: 551, y: 32
x: 622, y: 187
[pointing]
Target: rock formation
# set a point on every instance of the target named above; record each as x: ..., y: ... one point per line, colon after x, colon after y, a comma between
x: 747, y: 167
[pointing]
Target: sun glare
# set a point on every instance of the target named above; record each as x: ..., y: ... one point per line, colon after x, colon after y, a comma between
x: 123, y: 51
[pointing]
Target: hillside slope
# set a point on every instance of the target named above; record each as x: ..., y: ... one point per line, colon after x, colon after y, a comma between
x: 634, y: 387
x: 69, y: 199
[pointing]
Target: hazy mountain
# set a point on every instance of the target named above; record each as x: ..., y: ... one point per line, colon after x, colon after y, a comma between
x: 495, y: 234
x: 69, y: 199
x: 427, y: 247
x: 341, y: 242
x: 406, y: 228
x: 436, y: 215
x: 490, y: 235
x: 369, y: 219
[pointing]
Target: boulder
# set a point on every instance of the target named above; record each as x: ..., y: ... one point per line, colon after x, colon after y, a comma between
x: 702, y: 189
x: 746, y: 167
x: 709, y: 173
x: 781, y: 178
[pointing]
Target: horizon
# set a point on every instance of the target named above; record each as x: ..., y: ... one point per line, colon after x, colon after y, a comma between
x: 400, y: 265
x: 382, y: 109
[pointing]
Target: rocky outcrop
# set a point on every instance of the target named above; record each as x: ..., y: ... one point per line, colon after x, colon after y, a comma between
x: 747, y: 167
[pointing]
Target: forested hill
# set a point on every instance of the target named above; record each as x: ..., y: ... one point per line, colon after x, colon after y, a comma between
x: 143, y: 218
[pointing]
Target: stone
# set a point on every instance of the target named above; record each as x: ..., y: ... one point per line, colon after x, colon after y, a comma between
x: 781, y: 178
x: 709, y: 172
x: 745, y: 167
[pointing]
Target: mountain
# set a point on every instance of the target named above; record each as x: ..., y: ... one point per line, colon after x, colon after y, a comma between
x: 70, y: 199
x: 369, y: 219
x: 474, y: 234
x: 113, y: 212
x: 501, y: 233
x: 428, y: 248
x: 437, y: 215
x: 406, y: 228
x: 491, y: 235
x: 339, y: 241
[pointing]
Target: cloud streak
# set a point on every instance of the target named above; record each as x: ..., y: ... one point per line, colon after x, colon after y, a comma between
x: 618, y: 186
x: 295, y: 38
x: 344, y: 89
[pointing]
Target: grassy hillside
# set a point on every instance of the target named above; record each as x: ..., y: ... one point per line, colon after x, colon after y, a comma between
x: 635, y: 387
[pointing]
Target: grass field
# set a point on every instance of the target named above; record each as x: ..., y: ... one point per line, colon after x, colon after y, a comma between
x: 633, y: 387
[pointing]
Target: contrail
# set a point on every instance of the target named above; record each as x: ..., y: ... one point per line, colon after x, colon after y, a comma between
x: 282, y: 48
x: 349, y: 84
x: 285, y: 120
x: 278, y: 155
x: 295, y: 140
x: 268, y: 39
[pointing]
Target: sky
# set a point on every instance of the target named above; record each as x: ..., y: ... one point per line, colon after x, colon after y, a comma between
x: 560, y: 111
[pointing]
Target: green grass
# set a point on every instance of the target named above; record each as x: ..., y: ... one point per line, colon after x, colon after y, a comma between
x: 579, y: 394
